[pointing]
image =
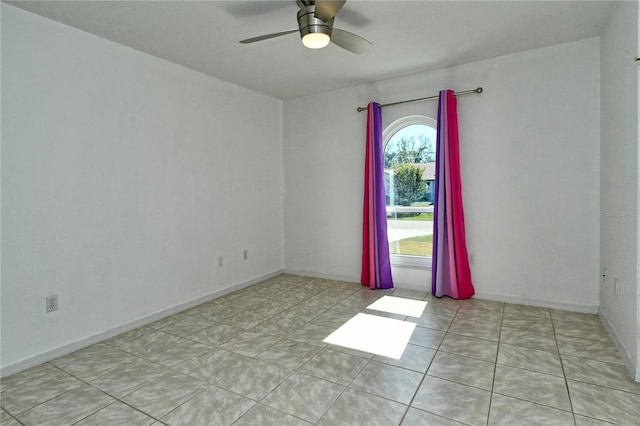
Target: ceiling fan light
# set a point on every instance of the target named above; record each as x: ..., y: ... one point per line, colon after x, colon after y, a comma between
x: 315, y: 40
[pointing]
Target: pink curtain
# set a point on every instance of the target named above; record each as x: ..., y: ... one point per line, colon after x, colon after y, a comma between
x: 451, y: 275
x: 376, y: 265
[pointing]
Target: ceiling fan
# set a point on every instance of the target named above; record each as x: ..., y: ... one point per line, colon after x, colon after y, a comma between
x: 315, y: 24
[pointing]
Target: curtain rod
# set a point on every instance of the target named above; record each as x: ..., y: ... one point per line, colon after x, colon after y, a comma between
x: 428, y: 98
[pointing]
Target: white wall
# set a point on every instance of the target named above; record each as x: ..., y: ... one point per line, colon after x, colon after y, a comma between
x: 530, y: 162
x: 619, y: 181
x: 124, y: 177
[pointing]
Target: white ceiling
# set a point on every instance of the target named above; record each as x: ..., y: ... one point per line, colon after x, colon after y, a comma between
x: 407, y: 36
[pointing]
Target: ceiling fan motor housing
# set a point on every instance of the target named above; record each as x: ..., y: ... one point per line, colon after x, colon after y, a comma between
x: 308, y: 23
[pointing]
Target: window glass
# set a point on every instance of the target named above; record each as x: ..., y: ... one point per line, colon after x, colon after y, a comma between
x: 409, y: 174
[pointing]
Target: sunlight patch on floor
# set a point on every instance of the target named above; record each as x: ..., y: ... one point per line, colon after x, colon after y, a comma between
x: 370, y: 333
x: 399, y: 305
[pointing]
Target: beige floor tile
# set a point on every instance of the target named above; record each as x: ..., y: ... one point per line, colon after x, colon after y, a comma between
x: 216, y: 334
x: 444, y: 305
x: 599, y: 373
x: 34, y: 392
x: 263, y: 415
x: 11, y: 422
x: 473, y: 328
x: 181, y: 369
x: 530, y: 359
x: 245, y: 319
x: 332, y: 319
x: 304, y: 396
x: 506, y: 411
x: 529, y: 339
x: 271, y: 308
x: 179, y: 352
x: 415, y: 417
x: 388, y: 381
x: 479, y: 314
x: 289, y: 354
x: 604, y: 403
x: 167, y: 321
x: 164, y: 394
x: 117, y: 414
x: 473, y: 303
x: 589, y: 421
x: 250, y: 343
x: 531, y: 323
x: 414, y: 357
x: 433, y: 320
x: 589, y: 349
x: 279, y: 326
x: 471, y: 347
x: 462, y: 403
x: 212, y: 406
x: 149, y: 343
x: 122, y: 340
x: 214, y: 366
x: 67, y: 408
x: 531, y: 386
x: 94, y: 361
x: 213, y: 312
x: 126, y: 379
x: 254, y: 380
x: 409, y: 294
x: 581, y: 329
x: 187, y: 326
x: 25, y: 376
x: 358, y: 408
x: 463, y: 370
x: 525, y: 310
x: 334, y: 366
x: 426, y: 337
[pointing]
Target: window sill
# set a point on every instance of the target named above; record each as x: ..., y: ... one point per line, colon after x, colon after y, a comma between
x: 413, y: 262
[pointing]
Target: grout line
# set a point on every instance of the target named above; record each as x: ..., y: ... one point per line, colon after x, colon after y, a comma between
x: 495, y: 366
x: 564, y: 374
x: 424, y: 376
x: 116, y: 399
x: 344, y: 295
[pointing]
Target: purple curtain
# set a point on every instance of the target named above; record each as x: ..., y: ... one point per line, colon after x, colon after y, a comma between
x: 376, y: 265
x: 451, y: 275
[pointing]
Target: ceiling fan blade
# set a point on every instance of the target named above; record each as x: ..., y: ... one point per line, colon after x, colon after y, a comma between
x: 354, y: 18
x: 327, y: 9
x: 350, y: 41
x: 267, y: 36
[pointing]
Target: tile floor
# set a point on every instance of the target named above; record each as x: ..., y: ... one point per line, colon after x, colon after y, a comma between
x: 256, y: 357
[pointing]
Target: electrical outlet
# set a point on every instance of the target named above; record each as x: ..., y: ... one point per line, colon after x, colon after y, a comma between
x: 220, y: 261
x: 245, y: 255
x: 52, y: 303
x: 615, y: 286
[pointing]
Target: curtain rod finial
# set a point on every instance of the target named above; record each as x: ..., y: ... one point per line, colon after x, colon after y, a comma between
x: 478, y: 90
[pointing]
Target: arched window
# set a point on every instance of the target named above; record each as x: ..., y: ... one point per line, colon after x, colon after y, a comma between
x: 409, y: 174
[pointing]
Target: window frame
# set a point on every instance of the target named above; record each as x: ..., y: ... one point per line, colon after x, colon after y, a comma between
x: 404, y: 260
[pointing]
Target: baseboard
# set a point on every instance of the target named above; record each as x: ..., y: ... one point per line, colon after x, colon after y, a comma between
x: 629, y: 362
x: 573, y: 307
x: 351, y: 279
x: 99, y: 337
